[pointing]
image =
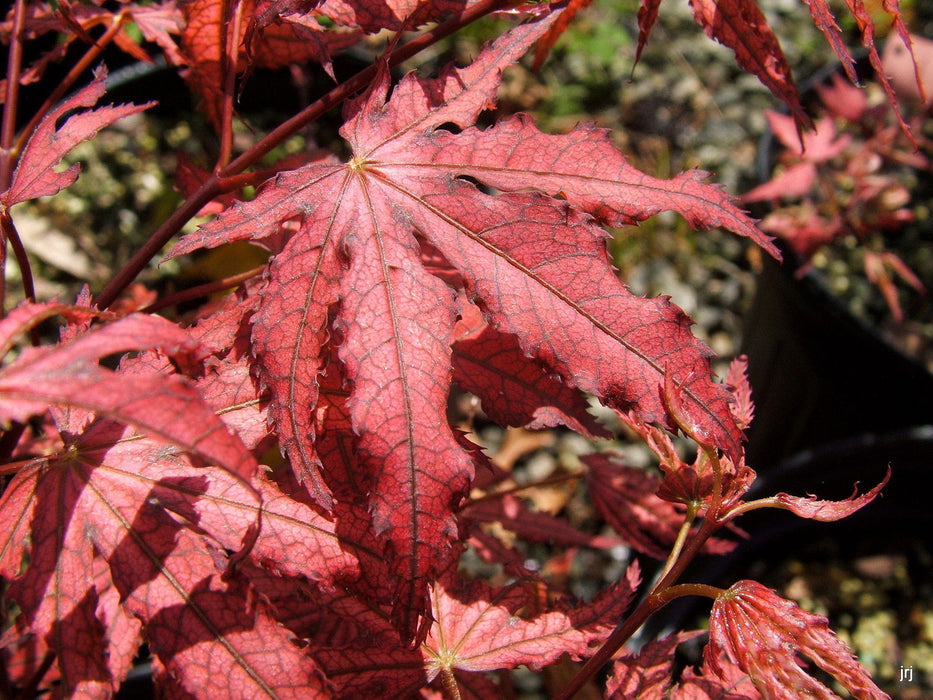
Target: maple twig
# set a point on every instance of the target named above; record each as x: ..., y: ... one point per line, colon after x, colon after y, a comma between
x: 172, y: 225
x: 8, y: 126
x: 69, y: 80
x: 203, y: 290
x: 660, y: 593
x: 682, y: 534
x: 13, y: 70
x: 19, y: 251
x: 213, y: 185
x: 231, y: 52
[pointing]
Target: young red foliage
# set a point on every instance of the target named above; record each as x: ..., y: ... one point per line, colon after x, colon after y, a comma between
x: 440, y: 254
x: 396, y: 319
x: 761, y: 633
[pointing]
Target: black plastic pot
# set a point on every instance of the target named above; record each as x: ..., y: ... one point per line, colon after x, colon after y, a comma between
x: 819, y: 374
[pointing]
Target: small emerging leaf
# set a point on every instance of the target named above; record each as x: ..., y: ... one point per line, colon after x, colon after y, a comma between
x: 763, y: 634
x: 827, y: 511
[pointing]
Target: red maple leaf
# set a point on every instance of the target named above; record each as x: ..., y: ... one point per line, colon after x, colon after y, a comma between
x: 160, y: 528
x: 646, y: 675
x: 828, y: 511
x: 533, y: 262
x: 762, y: 634
x: 35, y: 176
x: 627, y: 498
x: 477, y: 628
x: 742, y: 26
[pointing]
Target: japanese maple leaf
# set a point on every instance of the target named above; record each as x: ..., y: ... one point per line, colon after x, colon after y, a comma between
x: 762, y: 634
x: 742, y: 26
x: 627, y: 498
x: 531, y: 257
x: 68, y: 374
x: 35, y: 175
x: 476, y: 629
x: 514, y: 391
x: 646, y: 675
x: 160, y: 527
x: 154, y: 519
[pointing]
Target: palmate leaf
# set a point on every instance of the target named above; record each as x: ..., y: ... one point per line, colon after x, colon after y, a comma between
x: 530, y: 257
x: 162, y: 526
x: 476, y: 628
x: 68, y: 374
x: 35, y: 175
x: 753, y: 628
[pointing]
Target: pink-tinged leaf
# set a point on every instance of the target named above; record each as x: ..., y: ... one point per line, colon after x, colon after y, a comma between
x: 514, y: 390
x: 394, y: 320
x: 804, y: 228
x: 164, y: 406
x: 737, y: 381
x: 584, y: 168
x: 734, y: 684
x: 741, y: 25
x: 158, y: 523
x: 647, y: 16
x: 843, y: 99
x: 817, y: 146
x: 763, y: 634
x: 483, y: 630
x: 59, y: 505
x: 479, y: 628
x: 647, y: 674
x: 792, y: 183
x: 534, y: 263
x: 827, y: 511
x: 35, y: 175
x: 626, y: 498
